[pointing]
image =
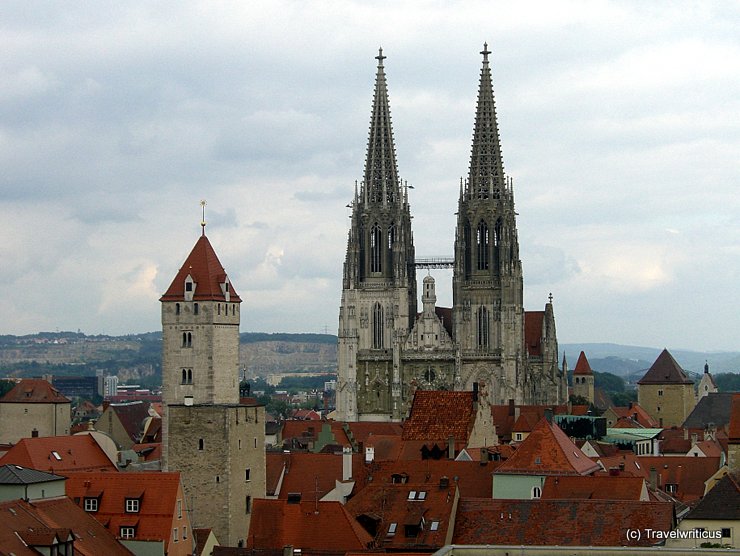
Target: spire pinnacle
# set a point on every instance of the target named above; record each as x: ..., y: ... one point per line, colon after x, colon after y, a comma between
x: 380, y: 57
x: 203, y: 217
x: 486, y: 179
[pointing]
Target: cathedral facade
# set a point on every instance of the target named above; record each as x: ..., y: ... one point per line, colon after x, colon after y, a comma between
x: 386, y: 349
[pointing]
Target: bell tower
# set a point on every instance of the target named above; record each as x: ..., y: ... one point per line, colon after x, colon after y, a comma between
x: 488, y: 313
x: 378, y: 304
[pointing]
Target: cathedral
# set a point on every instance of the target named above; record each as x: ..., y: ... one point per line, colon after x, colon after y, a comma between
x: 387, y: 348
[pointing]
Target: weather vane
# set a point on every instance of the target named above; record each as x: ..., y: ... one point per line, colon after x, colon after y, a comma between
x: 203, y: 212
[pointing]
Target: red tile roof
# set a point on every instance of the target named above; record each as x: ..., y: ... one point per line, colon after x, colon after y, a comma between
x: 414, y: 505
x: 132, y: 416
x: 665, y: 370
x: 582, y: 366
x: 438, y: 414
x: 156, y: 491
x: 688, y: 473
x: 276, y: 524
x: 638, y: 413
x: 559, y: 522
x: 364, y: 431
x: 59, y: 454
x: 533, y: 321
x: 473, y: 478
x: 308, y: 431
x: 504, y: 416
x: 206, y: 271
x: 385, y: 447
x: 54, y: 515
x: 33, y: 390
x: 546, y: 451
x: 734, y: 432
x: 445, y: 315
x: 601, y: 487
x: 308, y: 473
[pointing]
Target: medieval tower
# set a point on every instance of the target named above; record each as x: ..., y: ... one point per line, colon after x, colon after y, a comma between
x: 386, y: 350
x: 213, y: 440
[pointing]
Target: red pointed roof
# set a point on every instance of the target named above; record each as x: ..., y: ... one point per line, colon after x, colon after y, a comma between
x: 34, y: 390
x: 548, y: 451
x: 206, y: 271
x: 59, y: 454
x: 665, y: 370
x: 582, y: 366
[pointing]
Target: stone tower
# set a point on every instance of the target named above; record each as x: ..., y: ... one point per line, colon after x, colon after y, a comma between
x: 378, y: 303
x: 583, y: 379
x: 666, y: 392
x: 488, y: 312
x: 216, y: 442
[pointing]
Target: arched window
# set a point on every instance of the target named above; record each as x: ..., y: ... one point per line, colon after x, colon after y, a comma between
x: 482, y: 318
x: 376, y: 249
x: 195, y: 308
x: 190, y: 376
x: 391, y: 236
x: 184, y: 339
x: 184, y: 377
x: 377, y: 326
x: 536, y: 492
x: 497, y: 244
x: 177, y: 308
x: 467, y: 239
x: 482, y: 245
x: 219, y: 309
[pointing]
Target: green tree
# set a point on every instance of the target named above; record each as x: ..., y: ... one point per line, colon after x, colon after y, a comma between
x: 6, y: 386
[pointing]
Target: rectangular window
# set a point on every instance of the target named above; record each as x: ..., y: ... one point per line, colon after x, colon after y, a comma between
x: 188, y: 286
x: 249, y: 504
x: 726, y: 533
x: 91, y: 504
x: 174, y: 535
x: 184, y: 532
x: 179, y: 509
x: 660, y: 392
x: 127, y: 532
x: 132, y: 505
x: 246, y: 474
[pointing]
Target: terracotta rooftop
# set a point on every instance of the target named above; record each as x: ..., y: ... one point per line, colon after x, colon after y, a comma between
x: 637, y: 413
x: 307, y: 473
x: 582, y: 366
x: 665, y: 370
x: 305, y: 432
x: 132, y: 416
x: 422, y: 513
x: 533, y: 331
x: 59, y: 454
x: 601, y: 487
x: 546, y: 451
x: 34, y: 390
x: 363, y: 431
x: 505, y: 416
x: 734, y: 432
x: 277, y: 523
x: 44, y: 520
x: 156, y: 491
x: 471, y: 477
x: 439, y: 414
x: 559, y: 522
x: 206, y: 271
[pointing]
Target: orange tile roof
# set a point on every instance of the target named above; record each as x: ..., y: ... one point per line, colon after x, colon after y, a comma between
x: 665, y: 370
x: 504, y: 416
x: 203, y: 266
x: 34, y: 390
x: 59, y: 454
x: 157, y: 492
x: 638, y: 413
x: 385, y: 447
x: 308, y: 431
x: 559, y: 522
x: 600, y: 487
x: 533, y: 321
x: 471, y: 477
x: 364, y: 431
x: 582, y: 366
x: 438, y: 414
x: 307, y: 473
x: 547, y: 450
x: 54, y: 515
x: 406, y: 505
x: 276, y: 524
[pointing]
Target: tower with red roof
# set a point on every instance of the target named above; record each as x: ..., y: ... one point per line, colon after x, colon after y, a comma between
x: 212, y: 437
x: 583, y: 379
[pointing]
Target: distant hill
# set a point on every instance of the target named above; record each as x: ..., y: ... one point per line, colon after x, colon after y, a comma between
x: 630, y: 360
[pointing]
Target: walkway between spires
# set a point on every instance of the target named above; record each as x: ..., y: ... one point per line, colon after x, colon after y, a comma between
x: 434, y: 262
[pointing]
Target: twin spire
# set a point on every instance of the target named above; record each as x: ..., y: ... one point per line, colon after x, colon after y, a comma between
x: 381, y: 172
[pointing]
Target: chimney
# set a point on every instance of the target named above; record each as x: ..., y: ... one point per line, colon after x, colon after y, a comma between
x: 548, y: 415
x: 686, y: 434
x: 346, y: 463
x: 621, y: 466
x: 444, y: 482
x: 517, y: 412
x: 694, y: 439
x: 511, y: 408
x: 613, y: 471
x: 451, y: 447
x: 483, y: 456
x: 288, y: 550
x: 653, y: 478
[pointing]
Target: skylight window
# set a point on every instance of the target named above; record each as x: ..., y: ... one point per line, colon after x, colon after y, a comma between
x: 56, y: 455
x: 392, y: 529
x: 412, y: 495
x: 421, y: 496
x: 434, y: 526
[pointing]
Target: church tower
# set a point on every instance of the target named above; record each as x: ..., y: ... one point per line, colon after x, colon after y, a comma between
x: 213, y: 440
x: 378, y: 304
x: 488, y: 313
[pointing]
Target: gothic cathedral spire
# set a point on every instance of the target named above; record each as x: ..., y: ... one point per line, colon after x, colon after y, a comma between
x: 379, y: 286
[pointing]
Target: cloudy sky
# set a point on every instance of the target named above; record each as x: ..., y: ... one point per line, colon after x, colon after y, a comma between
x: 620, y: 125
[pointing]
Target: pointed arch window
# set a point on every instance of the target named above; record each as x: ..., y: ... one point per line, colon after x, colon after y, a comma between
x: 467, y: 239
x: 376, y: 249
x: 482, y: 245
x: 482, y: 328
x: 187, y: 339
x: 377, y: 326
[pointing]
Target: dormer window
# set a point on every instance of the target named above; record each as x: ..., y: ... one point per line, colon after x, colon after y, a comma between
x: 226, y: 289
x: 91, y: 504
x: 189, y: 288
x: 132, y: 505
